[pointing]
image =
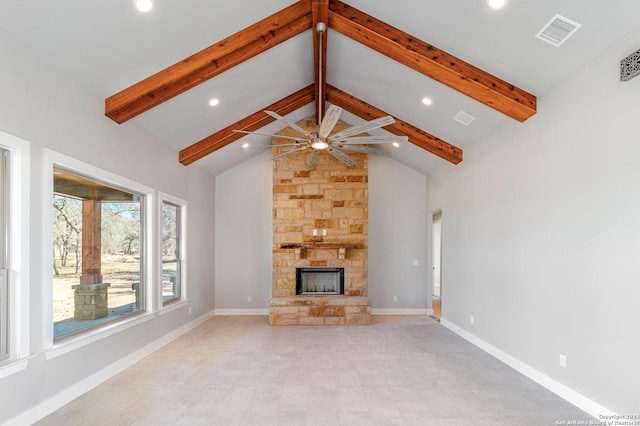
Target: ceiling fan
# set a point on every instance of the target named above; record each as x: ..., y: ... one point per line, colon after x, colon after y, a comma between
x: 335, y: 144
x: 323, y: 140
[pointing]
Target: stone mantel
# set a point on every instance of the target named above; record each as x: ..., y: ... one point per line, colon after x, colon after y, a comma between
x: 300, y: 250
x: 313, y: 245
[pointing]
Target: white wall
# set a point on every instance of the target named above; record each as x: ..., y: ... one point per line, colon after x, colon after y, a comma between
x: 244, y: 234
x: 541, y: 235
x: 397, y: 236
x: 40, y: 105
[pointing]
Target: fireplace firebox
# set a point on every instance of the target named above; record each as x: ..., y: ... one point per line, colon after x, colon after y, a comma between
x: 319, y: 281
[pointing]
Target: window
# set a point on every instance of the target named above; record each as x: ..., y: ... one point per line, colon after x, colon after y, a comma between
x: 98, y: 249
x: 14, y: 253
x: 172, y: 250
x: 4, y: 283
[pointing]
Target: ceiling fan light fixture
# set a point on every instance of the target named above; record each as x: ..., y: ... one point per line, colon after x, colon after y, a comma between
x: 497, y: 4
x: 143, y: 5
x: 319, y: 144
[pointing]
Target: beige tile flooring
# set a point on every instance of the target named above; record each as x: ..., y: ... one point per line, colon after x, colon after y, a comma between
x: 240, y: 371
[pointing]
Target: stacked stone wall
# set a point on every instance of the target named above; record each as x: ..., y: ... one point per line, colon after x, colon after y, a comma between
x: 332, y: 199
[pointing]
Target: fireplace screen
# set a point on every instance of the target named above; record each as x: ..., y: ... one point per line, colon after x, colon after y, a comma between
x: 319, y: 281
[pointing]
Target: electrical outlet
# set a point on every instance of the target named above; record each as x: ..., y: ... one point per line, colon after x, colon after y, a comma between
x: 189, y: 309
x: 472, y: 320
x: 563, y: 361
x: 416, y: 262
x: 315, y: 232
x: 324, y: 232
x: 395, y: 299
x: 249, y: 299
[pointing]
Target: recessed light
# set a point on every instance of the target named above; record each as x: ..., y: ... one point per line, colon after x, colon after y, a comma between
x: 143, y: 5
x: 396, y: 144
x: 497, y: 4
x: 214, y: 102
x: 245, y: 145
x: 427, y: 101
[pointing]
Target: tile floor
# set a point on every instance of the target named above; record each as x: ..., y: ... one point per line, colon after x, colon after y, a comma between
x: 241, y: 371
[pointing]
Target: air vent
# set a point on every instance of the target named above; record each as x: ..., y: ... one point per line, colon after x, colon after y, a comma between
x: 464, y: 118
x: 630, y: 66
x: 557, y: 30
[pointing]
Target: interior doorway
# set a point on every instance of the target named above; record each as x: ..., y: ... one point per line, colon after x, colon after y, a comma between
x: 436, y: 250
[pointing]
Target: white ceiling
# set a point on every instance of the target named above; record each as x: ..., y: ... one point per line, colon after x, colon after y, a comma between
x: 107, y: 46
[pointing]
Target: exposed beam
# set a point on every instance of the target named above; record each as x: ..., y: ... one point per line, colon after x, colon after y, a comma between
x: 251, y: 123
x: 320, y: 13
x: 209, y: 62
x: 431, y: 61
x: 416, y: 136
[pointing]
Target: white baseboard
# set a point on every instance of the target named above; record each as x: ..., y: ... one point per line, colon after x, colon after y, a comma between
x: 219, y: 312
x: 74, y: 391
x: 582, y: 402
x: 407, y: 311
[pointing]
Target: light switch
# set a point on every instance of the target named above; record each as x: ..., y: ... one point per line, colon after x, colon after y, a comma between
x: 416, y: 262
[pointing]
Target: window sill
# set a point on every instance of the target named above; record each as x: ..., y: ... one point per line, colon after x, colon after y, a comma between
x: 173, y: 306
x: 14, y: 366
x: 71, y: 343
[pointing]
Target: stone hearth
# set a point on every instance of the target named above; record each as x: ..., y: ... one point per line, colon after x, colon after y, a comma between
x: 320, y: 310
x: 331, y: 199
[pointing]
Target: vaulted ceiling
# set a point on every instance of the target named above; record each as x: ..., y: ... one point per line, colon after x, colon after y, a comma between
x: 159, y: 70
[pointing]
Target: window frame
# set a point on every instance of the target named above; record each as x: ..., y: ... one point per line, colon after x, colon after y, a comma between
x: 55, y: 346
x: 5, y: 238
x: 16, y: 227
x: 182, y: 299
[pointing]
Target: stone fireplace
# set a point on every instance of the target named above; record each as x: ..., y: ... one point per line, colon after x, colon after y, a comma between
x: 319, y: 225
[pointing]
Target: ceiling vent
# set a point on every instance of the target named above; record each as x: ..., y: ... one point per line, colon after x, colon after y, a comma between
x: 630, y: 66
x: 464, y: 118
x: 557, y: 30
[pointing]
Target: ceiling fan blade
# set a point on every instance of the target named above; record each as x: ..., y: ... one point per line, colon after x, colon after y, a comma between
x: 273, y: 136
x: 283, y: 144
x: 329, y: 121
x: 363, y: 128
x: 294, y: 126
x: 313, y: 158
x: 341, y: 156
x: 293, y: 151
x: 371, y: 140
x: 366, y: 150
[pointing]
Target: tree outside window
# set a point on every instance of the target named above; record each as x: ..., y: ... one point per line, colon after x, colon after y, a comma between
x: 171, y: 252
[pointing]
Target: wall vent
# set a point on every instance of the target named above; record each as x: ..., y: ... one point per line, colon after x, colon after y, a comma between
x: 558, y: 30
x: 464, y: 118
x: 630, y: 66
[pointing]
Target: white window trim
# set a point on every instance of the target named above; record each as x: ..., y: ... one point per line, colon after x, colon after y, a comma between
x: 183, y: 253
x: 18, y: 268
x: 63, y: 345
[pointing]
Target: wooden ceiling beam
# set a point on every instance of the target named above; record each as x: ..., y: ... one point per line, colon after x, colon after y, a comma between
x: 431, y: 61
x: 250, y: 124
x: 209, y: 62
x: 416, y: 136
x: 320, y: 13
